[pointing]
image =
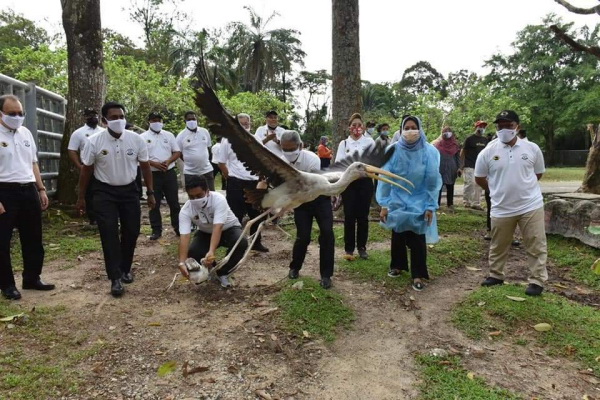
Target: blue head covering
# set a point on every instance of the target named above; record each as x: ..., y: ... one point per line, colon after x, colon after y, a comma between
x: 420, y: 142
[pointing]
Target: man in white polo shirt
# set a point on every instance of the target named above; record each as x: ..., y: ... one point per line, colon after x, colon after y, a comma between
x: 239, y: 178
x: 319, y: 209
x: 113, y: 156
x: 22, y: 200
x: 510, y: 168
x: 163, y: 150
x: 194, y: 142
x: 77, y: 142
x: 217, y: 226
x: 270, y: 134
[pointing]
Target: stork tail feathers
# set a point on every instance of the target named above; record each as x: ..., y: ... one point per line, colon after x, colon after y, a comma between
x: 255, y: 197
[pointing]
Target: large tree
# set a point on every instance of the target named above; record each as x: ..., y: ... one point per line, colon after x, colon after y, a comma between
x: 81, y: 22
x: 346, y: 88
x: 591, y: 180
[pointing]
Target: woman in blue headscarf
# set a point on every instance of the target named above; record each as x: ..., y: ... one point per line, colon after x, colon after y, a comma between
x: 411, y: 216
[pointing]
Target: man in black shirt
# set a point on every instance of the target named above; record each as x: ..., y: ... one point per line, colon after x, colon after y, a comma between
x: 471, y: 149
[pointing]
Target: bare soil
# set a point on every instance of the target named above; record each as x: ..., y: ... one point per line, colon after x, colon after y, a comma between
x: 234, y: 334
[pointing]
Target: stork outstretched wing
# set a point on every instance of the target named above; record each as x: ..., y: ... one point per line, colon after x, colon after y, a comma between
x: 253, y: 154
x: 375, y: 155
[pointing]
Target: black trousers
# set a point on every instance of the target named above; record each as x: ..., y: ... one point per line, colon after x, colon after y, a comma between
x: 89, y: 200
x: 116, y: 205
x: 24, y: 212
x: 357, y: 201
x: 217, y: 171
x: 138, y: 182
x: 237, y: 202
x: 488, y: 202
x: 210, y: 179
x: 201, y: 243
x: 319, y: 209
x: 165, y: 185
x: 418, y: 253
x: 449, y: 195
x: 325, y: 162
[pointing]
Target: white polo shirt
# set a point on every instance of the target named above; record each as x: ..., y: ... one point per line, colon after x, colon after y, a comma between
x: 307, y: 161
x: 396, y: 137
x: 115, y: 161
x: 236, y: 169
x: 194, y: 149
x: 349, y: 146
x: 215, y: 152
x: 511, y: 174
x: 215, y: 211
x: 80, y: 137
x: 18, y: 152
x: 161, y: 146
x: 261, y: 134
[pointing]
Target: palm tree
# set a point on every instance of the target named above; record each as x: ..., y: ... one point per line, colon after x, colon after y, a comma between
x: 263, y: 54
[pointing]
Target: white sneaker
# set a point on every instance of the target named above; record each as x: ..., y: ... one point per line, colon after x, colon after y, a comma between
x: 224, y: 280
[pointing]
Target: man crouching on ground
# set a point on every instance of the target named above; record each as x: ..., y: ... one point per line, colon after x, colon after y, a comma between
x: 216, y: 226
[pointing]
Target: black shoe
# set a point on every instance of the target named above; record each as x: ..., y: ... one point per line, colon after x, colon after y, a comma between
x: 325, y: 283
x: 516, y: 243
x: 11, y: 293
x: 116, y: 288
x: 177, y: 233
x: 155, y: 235
x: 260, y: 247
x: 363, y: 254
x: 489, y: 281
x: 127, y: 277
x: 394, y: 273
x: 37, y: 285
x: 418, y: 286
x: 293, y: 274
x: 534, y: 290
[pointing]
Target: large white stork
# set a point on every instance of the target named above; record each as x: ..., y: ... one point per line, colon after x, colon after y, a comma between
x: 288, y: 187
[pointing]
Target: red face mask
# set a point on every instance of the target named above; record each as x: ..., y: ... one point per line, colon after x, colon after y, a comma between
x: 356, y: 130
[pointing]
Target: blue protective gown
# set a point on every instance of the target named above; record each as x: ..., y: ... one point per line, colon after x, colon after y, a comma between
x: 419, y: 163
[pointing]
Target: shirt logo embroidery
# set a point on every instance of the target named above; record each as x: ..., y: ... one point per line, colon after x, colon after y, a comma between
x: 87, y: 135
x: 4, y: 144
x: 165, y: 141
x: 26, y: 143
x: 104, y: 152
x: 496, y: 158
x: 149, y: 141
x: 524, y: 157
x: 129, y: 152
x: 188, y: 140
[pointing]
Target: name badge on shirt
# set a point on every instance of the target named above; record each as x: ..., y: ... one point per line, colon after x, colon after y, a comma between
x: 4, y: 144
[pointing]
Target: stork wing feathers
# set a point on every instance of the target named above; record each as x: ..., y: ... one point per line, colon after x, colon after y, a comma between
x: 375, y: 155
x: 253, y: 154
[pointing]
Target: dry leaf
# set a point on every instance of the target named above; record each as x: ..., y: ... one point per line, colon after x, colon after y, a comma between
x: 515, y: 298
x: 194, y: 370
x: 473, y: 269
x: 269, y: 310
x: 12, y: 317
x: 154, y: 324
x: 263, y: 395
x: 471, y: 375
x: 298, y: 285
x: 495, y: 333
x: 481, y: 303
x: 543, y: 327
x: 306, y: 334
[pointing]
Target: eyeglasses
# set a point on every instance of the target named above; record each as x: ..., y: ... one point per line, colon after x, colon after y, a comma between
x: 14, y: 114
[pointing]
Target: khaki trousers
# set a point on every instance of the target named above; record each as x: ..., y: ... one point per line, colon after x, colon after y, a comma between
x: 471, y: 191
x: 533, y: 230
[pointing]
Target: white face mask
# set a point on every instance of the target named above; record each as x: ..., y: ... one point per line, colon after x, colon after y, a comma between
x: 291, y: 156
x: 191, y: 125
x: 13, y: 122
x: 200, y: 203
x: 506, y: 135
x: 481, y: 131
x: 156, y: 126
x: 447, y: 135
x: 117, y: 126
x: 411, y: 136
x: 371, y: 130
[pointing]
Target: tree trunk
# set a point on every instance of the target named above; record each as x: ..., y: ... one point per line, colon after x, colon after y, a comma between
x: 346, y: 94
x: 591, y: 179
x: 81, y: 22
x: 549, y: 136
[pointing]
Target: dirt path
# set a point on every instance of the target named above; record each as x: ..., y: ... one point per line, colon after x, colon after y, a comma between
x: 234, y: 336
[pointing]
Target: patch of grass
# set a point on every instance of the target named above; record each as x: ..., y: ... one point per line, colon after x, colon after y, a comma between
x: 577, y: 257
x: 377, y: 233
x: 36, y: 360
x: 64, y: 239
x: 575, y: 329
x: 461, y: 221
x: 445, y: 378
x: 313, y: 309
x: 564, y: 174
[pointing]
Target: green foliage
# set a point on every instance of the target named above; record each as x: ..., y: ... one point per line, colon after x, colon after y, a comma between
x: 256, y: 105
x: 564, y: 174
x: 575, y: 331
x: 18, y: 32
x: 319, y: 312
x: 575, y: 257
x: 446, y: 379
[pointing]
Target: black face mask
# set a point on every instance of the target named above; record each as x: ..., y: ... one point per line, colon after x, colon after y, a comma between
x: 92, y: 122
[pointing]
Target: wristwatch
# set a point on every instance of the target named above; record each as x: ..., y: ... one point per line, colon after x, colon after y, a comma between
x: 149, y: 192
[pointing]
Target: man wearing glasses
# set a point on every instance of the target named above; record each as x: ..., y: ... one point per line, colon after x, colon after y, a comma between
x: 22, y: 200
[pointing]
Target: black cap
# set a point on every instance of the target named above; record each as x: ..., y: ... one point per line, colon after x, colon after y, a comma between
x: 271, y: 112
x: 89, y: 111
x: 507, y: 115
x: 154, y: 115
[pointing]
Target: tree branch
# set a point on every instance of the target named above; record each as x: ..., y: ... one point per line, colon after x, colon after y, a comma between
x: 562, y: 35
x: 579, y: 10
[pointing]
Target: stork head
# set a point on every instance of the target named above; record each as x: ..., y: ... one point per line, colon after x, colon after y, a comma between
x: 359, y: 170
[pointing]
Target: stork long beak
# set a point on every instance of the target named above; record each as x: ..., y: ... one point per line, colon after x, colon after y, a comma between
x: 372, y: 171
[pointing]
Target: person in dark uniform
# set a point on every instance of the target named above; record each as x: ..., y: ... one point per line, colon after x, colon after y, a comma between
x: 163, y: 151
x: 22, y: 200
x: 113, y: 156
